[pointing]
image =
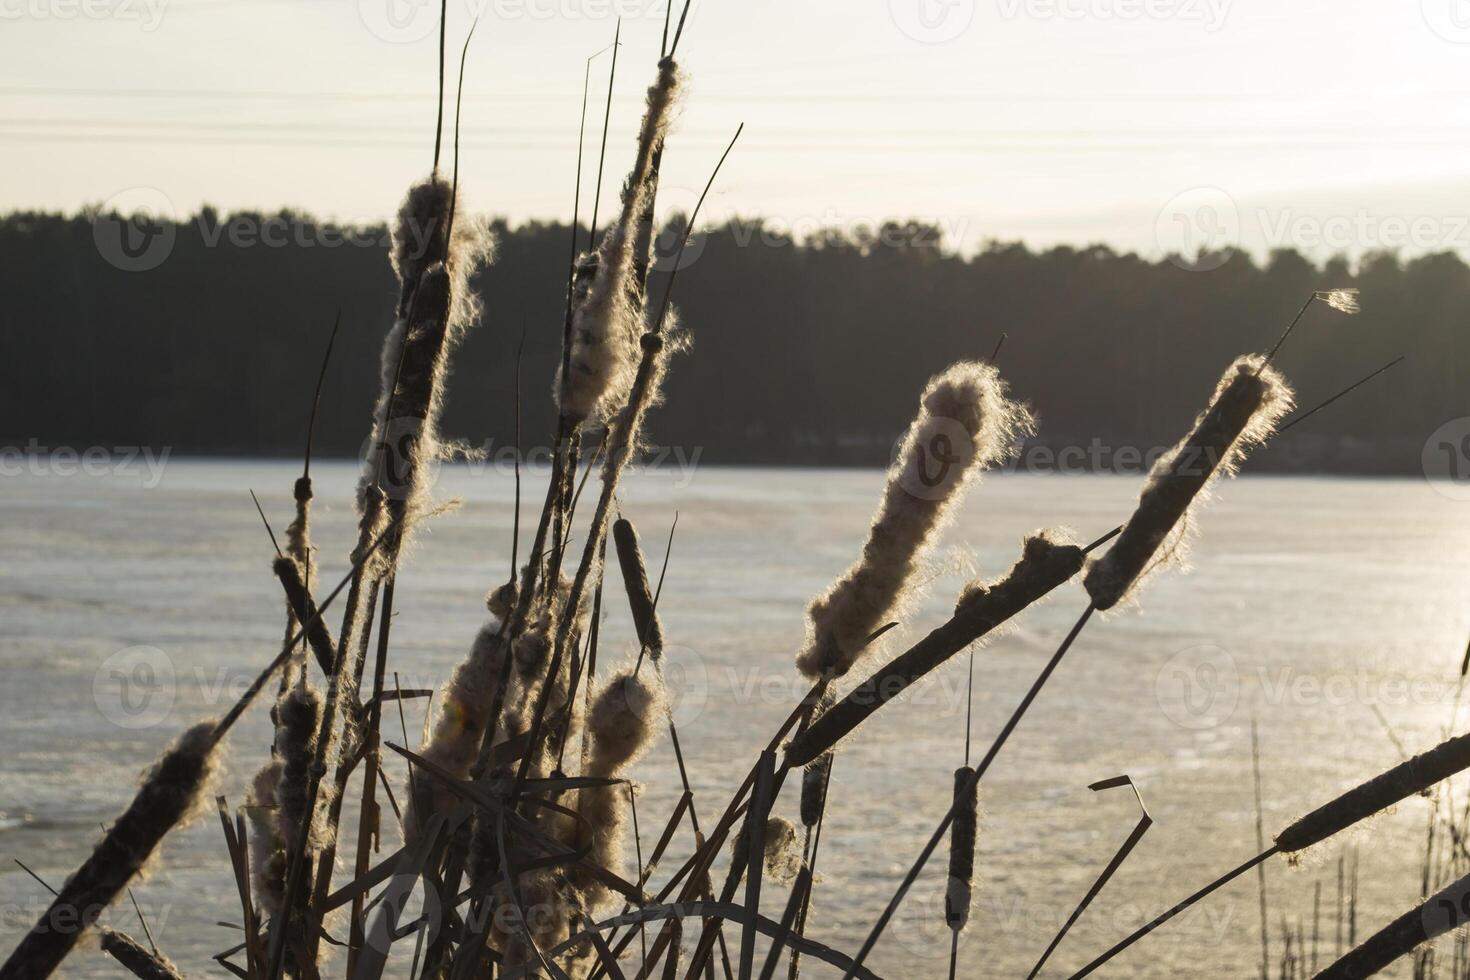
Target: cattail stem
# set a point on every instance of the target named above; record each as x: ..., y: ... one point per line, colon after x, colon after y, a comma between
x: 944, y: 825
x: 621, y: 440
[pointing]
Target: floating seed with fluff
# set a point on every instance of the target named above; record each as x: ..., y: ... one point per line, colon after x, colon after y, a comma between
x: 174, y: 791
x: 965, y: 423
x: 1249, y: 401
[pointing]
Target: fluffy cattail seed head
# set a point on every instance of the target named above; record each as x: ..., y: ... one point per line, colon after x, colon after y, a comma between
x: 782, y: 854
x: 624, y: 715
x: 299, y: 718
x: 607, y: 317
x: 419, y: 239
x: 1048, y: 558
x: 464, y: 708
x: 267, y: 857
x: 965, y: 423
x: 1248, y: 402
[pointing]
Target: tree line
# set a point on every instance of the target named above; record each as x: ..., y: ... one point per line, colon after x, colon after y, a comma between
x: 205, y: 336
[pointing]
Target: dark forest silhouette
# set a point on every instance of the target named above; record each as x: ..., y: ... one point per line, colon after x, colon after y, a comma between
x: 803, y: 353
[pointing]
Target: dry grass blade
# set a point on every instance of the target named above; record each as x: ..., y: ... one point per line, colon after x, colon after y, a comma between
x: 1139, y: 829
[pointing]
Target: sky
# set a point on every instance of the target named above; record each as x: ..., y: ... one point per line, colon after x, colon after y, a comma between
x: 1330, y: 126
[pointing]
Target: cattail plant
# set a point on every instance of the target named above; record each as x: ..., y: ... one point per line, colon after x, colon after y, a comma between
x: 640, y: 596
x: 174, y: 791
x: 437, y: 248
x: 300, y: 713
x: 818, y: 771
x: 781, y: 856
x: 130, y: 954
x: 621, y: 724
x: 1048, y: 559
x: 301, y: 609
x: 965, y: 423
x: 464, y: 703
x: 962, y: 836
x: 607, y: 320
x: 267, y: 853
x: 1248, y: 402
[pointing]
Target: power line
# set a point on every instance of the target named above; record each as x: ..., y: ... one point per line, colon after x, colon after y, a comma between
x: 857, y: 98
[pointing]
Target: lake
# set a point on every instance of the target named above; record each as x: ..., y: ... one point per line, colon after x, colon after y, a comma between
x: 1333, y: 612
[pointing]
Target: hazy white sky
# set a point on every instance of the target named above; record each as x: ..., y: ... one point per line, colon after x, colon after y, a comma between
x: 1329, y: 125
